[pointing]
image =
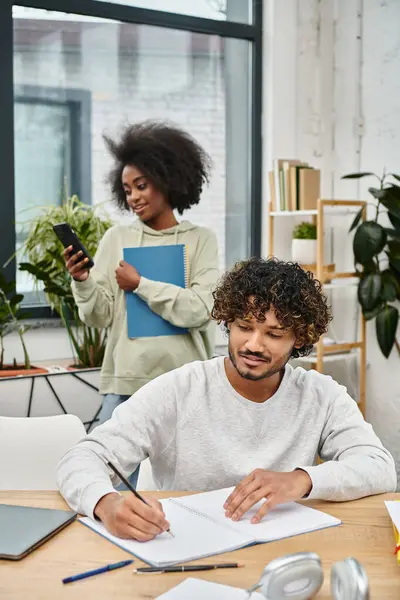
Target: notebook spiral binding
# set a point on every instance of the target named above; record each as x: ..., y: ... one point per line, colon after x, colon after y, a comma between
x: 200, y: 514
x: 186, y: 264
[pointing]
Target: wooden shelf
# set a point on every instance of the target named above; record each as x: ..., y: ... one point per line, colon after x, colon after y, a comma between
x: 335, y: 356
x: 329, y: 349
x: 342, y: 283
x: 292, y: 213
x: 337, y: 210
x: 327, y: 275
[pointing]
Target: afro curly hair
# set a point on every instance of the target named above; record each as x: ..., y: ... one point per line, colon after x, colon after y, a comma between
x: 256, y: 285
x: 171, y: 159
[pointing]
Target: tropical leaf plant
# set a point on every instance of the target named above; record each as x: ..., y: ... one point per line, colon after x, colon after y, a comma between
x: 11, y: 319
x: 377, y: 258
x: 45, y: 263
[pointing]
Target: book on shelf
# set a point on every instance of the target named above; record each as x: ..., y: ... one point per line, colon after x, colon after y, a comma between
x: 293, y: 185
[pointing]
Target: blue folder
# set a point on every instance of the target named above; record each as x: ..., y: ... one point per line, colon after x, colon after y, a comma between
x: 159, y: 263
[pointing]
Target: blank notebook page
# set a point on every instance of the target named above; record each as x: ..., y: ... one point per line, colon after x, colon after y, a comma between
x: 198, y: 589
x: 201, y: 528
x: 283, y: 521
x: 195, y: 537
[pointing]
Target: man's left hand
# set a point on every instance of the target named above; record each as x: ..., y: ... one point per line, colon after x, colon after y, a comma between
x: 276, y: 488
x: 127, y: 276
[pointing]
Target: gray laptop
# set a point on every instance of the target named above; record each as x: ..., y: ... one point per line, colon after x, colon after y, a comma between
x: 23, y: 528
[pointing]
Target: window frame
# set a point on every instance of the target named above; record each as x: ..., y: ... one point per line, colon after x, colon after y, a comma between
x: 107, y: 10
x: 79, y: 103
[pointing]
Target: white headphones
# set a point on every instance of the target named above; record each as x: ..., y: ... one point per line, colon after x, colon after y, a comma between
x: 299, y: 577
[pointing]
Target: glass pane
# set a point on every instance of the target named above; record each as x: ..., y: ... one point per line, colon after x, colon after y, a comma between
x: 129, y: 73
x: 42, y: 163
x: 224, y: 10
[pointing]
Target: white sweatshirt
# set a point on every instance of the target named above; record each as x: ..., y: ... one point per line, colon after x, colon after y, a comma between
x: 200, y: 434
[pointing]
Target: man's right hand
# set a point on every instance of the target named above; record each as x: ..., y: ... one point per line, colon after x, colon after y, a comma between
x: 75, y: 264
x: 128, y: 517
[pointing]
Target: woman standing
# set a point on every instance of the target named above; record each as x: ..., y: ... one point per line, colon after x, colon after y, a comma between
x: 158, y: 169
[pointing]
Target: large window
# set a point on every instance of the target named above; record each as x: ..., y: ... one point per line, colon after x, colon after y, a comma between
x: 233, y: 10
x: 52, y: 153
x: 79, y: 75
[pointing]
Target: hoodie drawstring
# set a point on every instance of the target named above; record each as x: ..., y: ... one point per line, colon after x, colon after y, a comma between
x: 142, y: 231
x: 140, y: 237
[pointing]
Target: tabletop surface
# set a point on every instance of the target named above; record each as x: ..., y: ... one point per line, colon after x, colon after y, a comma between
x: 366, y: 534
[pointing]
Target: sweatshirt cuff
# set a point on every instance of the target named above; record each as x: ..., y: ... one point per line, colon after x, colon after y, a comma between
x: 83, y: 289
x: 92, y: 494
x: 143, y: 290
x: 323, y: 483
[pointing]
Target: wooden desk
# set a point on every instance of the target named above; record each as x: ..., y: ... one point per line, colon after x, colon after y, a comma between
x: 366, y: 534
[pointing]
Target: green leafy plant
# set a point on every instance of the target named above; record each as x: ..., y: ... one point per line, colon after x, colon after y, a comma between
x: 377, y: 251
x: 46, y: 264
x: 305, y: 231
x: 11, y: 319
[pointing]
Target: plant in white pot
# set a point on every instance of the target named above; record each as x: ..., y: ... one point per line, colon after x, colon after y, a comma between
x: 304, y: 244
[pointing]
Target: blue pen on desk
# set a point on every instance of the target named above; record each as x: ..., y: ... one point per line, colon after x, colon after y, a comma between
x: 118, y: 565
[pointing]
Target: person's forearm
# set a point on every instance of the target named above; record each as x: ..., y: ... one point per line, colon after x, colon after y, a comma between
x: 181, y: 307
x: 83, y: 479
x: 353, y: 477
x: 94, y: 303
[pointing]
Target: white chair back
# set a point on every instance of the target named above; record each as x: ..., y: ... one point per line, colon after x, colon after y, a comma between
x: 31, y: 447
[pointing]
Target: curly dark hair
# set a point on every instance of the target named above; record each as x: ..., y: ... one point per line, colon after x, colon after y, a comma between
x: 172, y: 160
x: 253, y: 286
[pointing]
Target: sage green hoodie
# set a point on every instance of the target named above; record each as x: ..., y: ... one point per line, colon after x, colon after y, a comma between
x: 130, y: 363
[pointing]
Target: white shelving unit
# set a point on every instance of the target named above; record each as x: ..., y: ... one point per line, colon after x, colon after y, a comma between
x: 330, y: 280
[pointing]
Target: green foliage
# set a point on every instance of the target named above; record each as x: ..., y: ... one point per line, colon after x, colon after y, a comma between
x: 11, y: 318
x: 377, y: 250
x: 46, y: 264
x: 305, y: 231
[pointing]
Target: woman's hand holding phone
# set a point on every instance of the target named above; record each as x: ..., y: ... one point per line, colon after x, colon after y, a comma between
x: 76, y: 264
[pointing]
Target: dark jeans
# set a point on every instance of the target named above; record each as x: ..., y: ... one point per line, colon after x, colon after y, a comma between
x: 110, y: 402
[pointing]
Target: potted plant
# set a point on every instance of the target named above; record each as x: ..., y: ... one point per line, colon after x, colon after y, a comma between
x: 11, y: 320
x: 46, y: 265
x: 304, y: 244
x: 376, y: 250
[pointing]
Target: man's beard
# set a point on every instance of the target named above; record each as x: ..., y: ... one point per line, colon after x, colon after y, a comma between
x: 266, y: 374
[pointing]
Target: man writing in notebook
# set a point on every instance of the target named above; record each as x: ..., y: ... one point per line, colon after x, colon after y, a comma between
x: 249, y: 420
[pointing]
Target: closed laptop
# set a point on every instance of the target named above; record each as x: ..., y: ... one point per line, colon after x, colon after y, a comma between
x: 24, y: 528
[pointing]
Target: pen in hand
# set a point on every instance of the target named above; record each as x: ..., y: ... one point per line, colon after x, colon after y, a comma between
x: 132, y: 489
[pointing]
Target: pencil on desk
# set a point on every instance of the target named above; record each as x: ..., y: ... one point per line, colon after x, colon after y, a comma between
x: 132, y: 489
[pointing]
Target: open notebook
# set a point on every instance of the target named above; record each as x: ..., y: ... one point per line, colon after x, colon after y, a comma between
x: 198, y: 589
x: 201, y: 528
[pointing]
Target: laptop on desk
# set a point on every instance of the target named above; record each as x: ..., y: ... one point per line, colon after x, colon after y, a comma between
x: 24, y: 528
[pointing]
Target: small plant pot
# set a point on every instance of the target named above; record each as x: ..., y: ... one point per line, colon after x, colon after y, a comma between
x: 19, y: 370
x: 304, y: 251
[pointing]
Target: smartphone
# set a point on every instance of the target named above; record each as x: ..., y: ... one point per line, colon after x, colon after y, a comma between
x: 68, y: 237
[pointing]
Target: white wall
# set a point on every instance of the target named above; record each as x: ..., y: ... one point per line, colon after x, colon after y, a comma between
x: 332, y: 97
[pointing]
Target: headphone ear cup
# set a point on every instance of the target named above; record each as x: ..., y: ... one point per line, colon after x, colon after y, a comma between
x: 292, y: 577
x: 349, y: 581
